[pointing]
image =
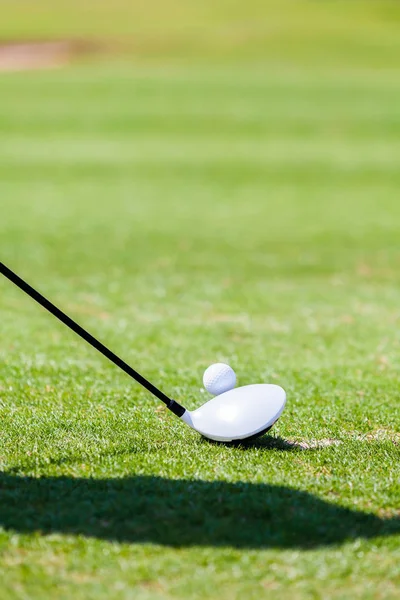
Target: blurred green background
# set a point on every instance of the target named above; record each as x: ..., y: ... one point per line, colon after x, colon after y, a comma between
x: 344, y: 33
x: 194, y: 182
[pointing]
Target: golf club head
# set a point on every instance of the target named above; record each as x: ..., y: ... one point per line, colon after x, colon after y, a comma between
x: 239, y: 414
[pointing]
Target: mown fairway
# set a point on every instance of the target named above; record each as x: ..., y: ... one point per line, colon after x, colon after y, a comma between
x: 225, y: 195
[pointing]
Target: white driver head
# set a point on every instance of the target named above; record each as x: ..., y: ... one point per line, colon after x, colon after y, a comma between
x: 239, y: 414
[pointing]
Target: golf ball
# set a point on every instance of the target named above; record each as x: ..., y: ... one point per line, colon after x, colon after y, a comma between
x: 219, y: 378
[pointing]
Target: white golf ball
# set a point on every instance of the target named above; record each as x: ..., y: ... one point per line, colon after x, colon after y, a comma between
x: 219, y: 378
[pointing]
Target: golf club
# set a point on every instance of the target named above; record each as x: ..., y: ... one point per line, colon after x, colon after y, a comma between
x: 242, y: 413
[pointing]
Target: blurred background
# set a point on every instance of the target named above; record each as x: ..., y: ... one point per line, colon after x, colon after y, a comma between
x: 225, y: 168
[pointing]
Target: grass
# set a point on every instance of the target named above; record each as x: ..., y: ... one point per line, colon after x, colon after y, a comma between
x: 329, y: 34
x: 189, y: 211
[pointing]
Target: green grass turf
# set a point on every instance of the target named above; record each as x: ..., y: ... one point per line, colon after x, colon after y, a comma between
x: 243, y: 211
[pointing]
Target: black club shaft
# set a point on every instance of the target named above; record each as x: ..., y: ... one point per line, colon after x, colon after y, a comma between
x: 174, y: 406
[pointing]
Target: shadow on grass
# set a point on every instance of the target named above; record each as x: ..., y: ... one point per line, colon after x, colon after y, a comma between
x: 265, y: 442
x: 182, y: 512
